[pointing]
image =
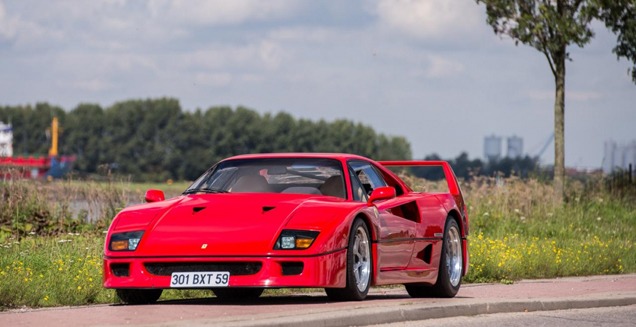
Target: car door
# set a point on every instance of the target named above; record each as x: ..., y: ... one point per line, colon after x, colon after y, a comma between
x: 397, y: 228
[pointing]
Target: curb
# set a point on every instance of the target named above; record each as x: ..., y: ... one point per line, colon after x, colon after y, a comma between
x: 411, y: 312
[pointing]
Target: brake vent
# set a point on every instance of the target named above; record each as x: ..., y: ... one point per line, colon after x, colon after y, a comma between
x: 268, y: 208
x: 425, y: 255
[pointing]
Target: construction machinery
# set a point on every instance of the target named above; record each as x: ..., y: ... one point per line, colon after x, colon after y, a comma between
x: 53, y: 166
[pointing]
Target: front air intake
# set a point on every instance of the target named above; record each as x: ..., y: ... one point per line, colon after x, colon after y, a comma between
x: 120, y: 269
x: 292, y: 268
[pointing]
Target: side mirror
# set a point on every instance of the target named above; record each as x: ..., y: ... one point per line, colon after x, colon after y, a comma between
x: 381, y: 193
x: 154, y: 196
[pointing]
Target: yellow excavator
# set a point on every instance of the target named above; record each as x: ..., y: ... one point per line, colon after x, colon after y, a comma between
x: 53, y: 166
x: 55, y: 125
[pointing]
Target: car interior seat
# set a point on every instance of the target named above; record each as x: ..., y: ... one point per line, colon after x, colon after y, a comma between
x: 333, y: 186
x: 251, y: 183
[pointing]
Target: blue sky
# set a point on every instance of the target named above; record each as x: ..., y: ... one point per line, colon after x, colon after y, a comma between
x: 429, y: 70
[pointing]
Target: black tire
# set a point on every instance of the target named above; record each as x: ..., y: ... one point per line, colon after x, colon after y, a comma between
x: 359, y: 266
x: 449, y: 277
x: 238, y: 294
x: 137, y: 296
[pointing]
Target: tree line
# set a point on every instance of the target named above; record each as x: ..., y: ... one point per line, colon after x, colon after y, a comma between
x: 465, y: 168
x: 156, y: 140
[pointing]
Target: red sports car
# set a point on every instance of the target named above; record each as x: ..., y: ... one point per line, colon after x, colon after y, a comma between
x: 341, y: 222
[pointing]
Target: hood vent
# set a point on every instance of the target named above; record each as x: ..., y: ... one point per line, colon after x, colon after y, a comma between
x: 197, y: 209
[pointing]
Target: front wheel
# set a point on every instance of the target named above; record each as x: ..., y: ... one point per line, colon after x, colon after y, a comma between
x: 138, y: 296
x: 451, y: 266
x: 358, y: 266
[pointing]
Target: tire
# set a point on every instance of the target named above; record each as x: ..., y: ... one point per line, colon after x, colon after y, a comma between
x: 358, y: 266
x: 451, y: 265
x: 137, y: 296
x: 238, y: 294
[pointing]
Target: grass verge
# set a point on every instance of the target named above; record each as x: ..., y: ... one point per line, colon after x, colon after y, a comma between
x: 517, y: 231
x: 51, y: 255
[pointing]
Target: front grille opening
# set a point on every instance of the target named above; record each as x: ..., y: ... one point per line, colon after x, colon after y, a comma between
x: 292, y: 268
x: 234, y: 268
x: 120, y: 269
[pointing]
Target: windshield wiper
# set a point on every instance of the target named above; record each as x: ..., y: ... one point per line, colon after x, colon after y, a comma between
x: 205, y: 190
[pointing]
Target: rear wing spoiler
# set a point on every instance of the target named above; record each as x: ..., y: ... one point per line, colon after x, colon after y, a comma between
x: 453, y: 186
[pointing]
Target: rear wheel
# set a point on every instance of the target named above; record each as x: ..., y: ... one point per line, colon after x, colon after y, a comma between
x: 358, y: 266
x: 238, y: 294
x: 137, y: 296
x: 451, y: 267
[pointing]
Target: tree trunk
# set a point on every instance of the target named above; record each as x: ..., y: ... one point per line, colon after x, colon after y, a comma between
x: 559, y: 126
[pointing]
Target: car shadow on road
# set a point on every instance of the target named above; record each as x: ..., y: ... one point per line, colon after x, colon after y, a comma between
x: 297, y: 299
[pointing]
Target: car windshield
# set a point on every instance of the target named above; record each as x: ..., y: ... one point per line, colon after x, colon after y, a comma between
x: 320, y: 176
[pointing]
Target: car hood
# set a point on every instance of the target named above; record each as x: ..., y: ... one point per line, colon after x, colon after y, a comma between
x: 222, y: 224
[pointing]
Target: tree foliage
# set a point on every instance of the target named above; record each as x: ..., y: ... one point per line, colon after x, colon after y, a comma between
x: 550, y: 25
x: 154, y: 139
x: 620, y: 17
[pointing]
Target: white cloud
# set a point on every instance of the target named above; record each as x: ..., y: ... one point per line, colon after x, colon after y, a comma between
x: 271, y: 54
x: 583, y: 96
x: 429, y: 18
x: 540, y: 95
x: 222, y: 79
x: 442, y: 67
x: 217, y: 56
x: 306, y: 34
x: 260, y: 55
x: 576, y: 96
x: 8, y: 25
x: 91, y: 85
x: 213, y: 79
x: 119, y: 25
x: 220, y: 12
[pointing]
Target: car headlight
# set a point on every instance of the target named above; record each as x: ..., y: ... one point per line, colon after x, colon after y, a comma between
x: 295, y: 239
x: 125, y: 241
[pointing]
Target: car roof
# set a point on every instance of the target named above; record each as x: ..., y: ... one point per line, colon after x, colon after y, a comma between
x: 339, y: 156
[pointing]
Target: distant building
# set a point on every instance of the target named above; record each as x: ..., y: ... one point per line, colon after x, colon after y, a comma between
x: 515, y: 147
x: 492, y: 148
x: 6, y: 140
x: 619, y: 156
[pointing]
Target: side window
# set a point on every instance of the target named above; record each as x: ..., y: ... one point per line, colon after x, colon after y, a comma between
x: 359, y: 192
x: 367, y: 175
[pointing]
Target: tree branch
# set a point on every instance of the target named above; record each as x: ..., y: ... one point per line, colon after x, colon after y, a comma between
x: 547, y: 53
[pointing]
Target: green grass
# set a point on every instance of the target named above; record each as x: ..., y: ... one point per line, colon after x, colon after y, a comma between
x: 52, y: 271
x: 519, y: 232
x: 50, y: 256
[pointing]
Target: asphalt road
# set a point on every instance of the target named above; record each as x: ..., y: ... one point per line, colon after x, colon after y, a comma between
x: 382, y: 306
x: 593, y: 317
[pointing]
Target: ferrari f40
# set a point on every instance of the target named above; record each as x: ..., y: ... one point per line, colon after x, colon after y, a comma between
x: 341, y: 222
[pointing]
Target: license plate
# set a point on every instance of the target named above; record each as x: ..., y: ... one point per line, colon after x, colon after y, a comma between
x: 200, y: 279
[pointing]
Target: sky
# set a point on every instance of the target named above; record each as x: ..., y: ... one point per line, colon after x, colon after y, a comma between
x: 432, y: 71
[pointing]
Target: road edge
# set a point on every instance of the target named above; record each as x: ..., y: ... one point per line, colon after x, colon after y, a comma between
x: 412, y: 312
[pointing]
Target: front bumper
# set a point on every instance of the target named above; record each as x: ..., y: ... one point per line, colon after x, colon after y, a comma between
x: 326, y: 270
